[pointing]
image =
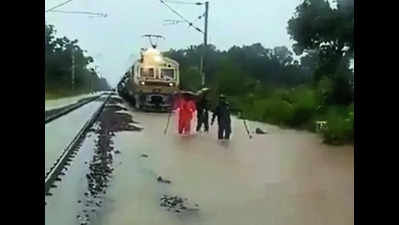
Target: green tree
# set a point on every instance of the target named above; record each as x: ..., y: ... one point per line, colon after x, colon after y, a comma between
x: 317, y: 27
x: 316, y: 24
x: 58, y: 66
x: 190, y: 79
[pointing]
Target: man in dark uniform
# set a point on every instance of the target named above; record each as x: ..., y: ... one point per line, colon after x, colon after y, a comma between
x: 202, y: 113
x: 222, y: 111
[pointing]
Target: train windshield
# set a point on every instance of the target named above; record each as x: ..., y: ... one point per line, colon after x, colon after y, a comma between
x: 147, y: 72
x: 168, y: 74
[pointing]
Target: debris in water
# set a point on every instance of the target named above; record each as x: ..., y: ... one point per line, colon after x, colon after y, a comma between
x: 260, y: 131
x: 160, y: 179
x: 101, y: 165
x: 177, y: 204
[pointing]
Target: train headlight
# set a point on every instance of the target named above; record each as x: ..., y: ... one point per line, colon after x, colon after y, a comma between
x: 142, y: 83
x: 170, y: 84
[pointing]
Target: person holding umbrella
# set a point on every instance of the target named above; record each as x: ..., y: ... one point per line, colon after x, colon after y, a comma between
x: 202, y: 110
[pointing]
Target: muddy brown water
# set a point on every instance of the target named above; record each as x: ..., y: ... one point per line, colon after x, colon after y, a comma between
x: 60, y: 132
x: 283, y: 177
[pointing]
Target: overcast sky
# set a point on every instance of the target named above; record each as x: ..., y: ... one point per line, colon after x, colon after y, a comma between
x: 114, y: 42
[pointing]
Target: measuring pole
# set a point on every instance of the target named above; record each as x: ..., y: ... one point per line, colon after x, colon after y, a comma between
x: 203, y: 60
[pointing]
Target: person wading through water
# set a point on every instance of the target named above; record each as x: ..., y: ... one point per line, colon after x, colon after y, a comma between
x: 186, y: 108
x: 222, y: 112
x: 202, y: 113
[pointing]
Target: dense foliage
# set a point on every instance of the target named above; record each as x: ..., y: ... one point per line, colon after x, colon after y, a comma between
x: 58, y: 67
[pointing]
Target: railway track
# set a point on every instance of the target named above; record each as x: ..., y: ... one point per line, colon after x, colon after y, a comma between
x: 53, y: 114
x: 54, y: 173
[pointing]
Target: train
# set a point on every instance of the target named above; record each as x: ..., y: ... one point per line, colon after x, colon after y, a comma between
x: 151, y: 83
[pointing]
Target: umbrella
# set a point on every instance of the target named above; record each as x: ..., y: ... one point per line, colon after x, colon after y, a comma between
x: 190, y: 93
x: 203, y: 91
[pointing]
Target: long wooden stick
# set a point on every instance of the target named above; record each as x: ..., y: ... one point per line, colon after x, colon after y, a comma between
x: 167, y: 125
x: 246, y: 127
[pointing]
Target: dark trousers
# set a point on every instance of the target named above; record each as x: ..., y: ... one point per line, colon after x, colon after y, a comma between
x: 202, y: 119
x: 224, y: 131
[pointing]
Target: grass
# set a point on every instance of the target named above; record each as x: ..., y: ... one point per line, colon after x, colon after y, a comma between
x: 299, y: 108
x: 340, y: 125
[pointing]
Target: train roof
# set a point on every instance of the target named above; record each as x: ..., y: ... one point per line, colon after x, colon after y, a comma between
x: 153, y: 56
x: 171, y: 60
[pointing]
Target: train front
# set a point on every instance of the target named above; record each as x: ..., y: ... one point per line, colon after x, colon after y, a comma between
x: 156, y: 79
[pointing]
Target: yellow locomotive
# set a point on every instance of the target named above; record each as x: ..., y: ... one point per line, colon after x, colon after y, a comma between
x: 151, y: 82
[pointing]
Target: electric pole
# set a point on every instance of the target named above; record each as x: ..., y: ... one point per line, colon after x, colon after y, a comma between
x: 205, y: 32
x: 205, y: 44
x: 73, y: 68
x: 206, y: 24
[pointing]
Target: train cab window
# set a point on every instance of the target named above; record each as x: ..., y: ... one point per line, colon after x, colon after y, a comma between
x: 167, y: 74
x: 147, y: 72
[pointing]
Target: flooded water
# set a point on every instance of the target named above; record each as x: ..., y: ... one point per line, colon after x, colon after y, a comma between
x: 62, y: 102
x: 283, y: 177
x: 63, y: 206
x: 60, y: 132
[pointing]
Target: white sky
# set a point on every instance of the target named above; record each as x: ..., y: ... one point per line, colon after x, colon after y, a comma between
x: 114, y: 42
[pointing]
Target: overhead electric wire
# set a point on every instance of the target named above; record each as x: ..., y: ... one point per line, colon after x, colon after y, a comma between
x: 182, y: 17
x: 172, y: 22
x: 59, y: 5
x: 80, y: 12
x: 186, y: 3
x: 199, y: 17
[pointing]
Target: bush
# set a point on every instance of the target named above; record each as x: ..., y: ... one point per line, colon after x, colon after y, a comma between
x: 340, y: 125
x: 324, y: 90
x: 298, y: 107
x: 304, y: 106
x: 275, y: 111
